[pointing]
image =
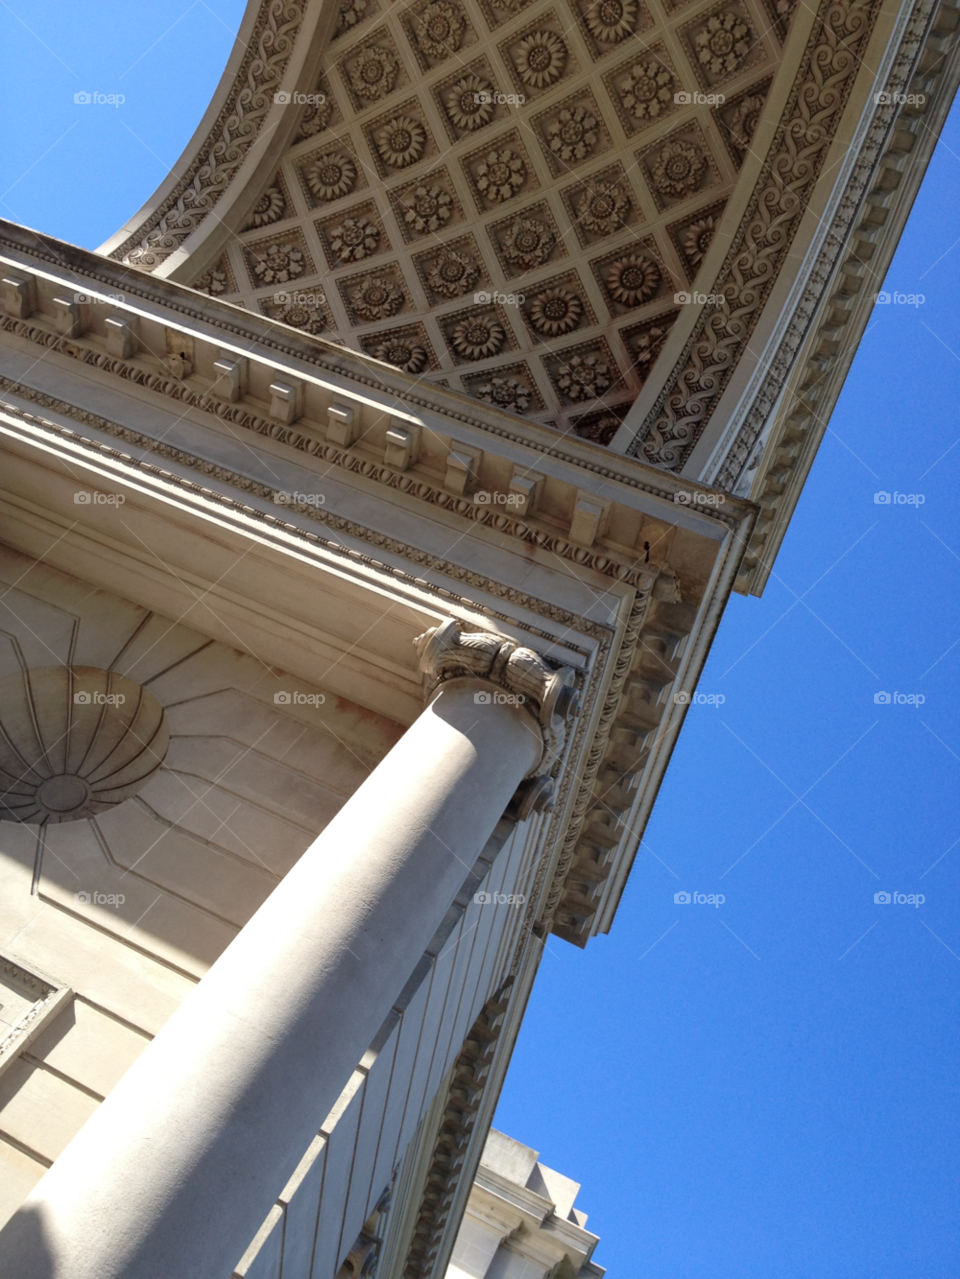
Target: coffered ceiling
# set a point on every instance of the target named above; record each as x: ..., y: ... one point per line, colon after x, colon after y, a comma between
x: 507, y: 197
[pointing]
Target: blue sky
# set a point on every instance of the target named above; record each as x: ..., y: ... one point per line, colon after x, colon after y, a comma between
x: 767, y: 1086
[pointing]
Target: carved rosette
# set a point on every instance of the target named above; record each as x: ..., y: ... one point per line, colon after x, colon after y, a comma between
x: 549, y: 695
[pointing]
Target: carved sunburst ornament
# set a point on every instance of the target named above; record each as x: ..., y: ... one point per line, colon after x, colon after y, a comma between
x: 377, y: 299
x: 427, y: 208
x: 584, y: 377
x: 470, y: 102
x: 611, y: 20
x: 269, y: 208
x: 331, y: 176
x: 311, y: 319
x: 601, y: 210
x: 679, y: 167
x: 452, y: 274
x: 500, y: 175
x: 744, y: 120
x: 634, y: 279
x: 528, y: 243
x: 541, y: 58
x: 279, y: 264
x: 697, y: 238
x: 401, y: 141
x: 316, y: 117
x: 440, y: 29
x: 573, y: 134
x: 404, y: 355
x: 374, y: 73
x: 723, y: 42
x: 647, y: 90
x: 354, y: 239
x: 555, y: 311
x: 476, y: 339
x: 506, y: 393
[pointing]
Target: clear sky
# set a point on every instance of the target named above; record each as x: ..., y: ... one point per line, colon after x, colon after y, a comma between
x: 768, y: 1086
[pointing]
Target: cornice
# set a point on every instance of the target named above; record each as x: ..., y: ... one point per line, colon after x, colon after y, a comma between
x: 776, y: 443
x: 795, y: 159
x: 254, y: 488
x: 255, y: 333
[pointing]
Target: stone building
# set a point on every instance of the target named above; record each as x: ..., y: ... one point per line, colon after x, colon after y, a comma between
x: 520, y: 1222
x: 370, y: 502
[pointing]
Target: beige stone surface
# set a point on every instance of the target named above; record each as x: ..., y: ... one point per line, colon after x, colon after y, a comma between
x: 41, y: 1111
x: 18, y: 1176
x: 89, y: 1046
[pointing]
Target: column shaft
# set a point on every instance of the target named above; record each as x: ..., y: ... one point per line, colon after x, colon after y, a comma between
x: 174, y: 1173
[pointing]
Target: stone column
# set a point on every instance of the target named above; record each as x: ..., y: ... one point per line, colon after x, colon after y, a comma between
x: 173, y: 1174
